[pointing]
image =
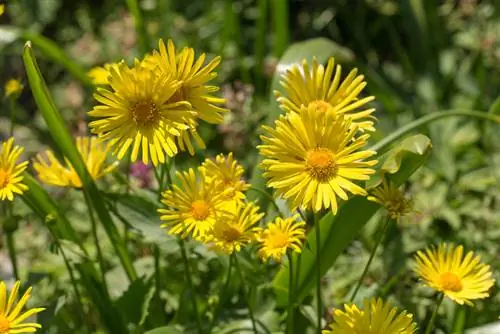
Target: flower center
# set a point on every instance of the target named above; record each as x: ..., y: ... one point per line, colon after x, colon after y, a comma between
x: 200, y: 210
x: 321, y: 105
x: 144, y: 113
x: 450, y: 281
x: 179, y: 95
x: 278, y: 240
x: 4, y: 325
x: 4, y: 178
x: 231, y: 234
x: 320, y: 163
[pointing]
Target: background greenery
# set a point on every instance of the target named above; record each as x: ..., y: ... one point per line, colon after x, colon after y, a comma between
x: 418, y: 57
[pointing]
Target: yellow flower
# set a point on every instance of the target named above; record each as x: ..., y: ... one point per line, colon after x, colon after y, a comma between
x: 100, y: 74
x: 193, y: 208
x: 231, y: 233
x: 2, y: 9
x: 392, y: 199
x: 279, y: 236
x: 137, y: 113
x: 311, y: 158
x: 13, y: 88
x: 94, y: 154
x: 226, y: 174
x: 11, y: 317
x: 323, y: 88
x: 194, y: 88
x: 376, y: 317
x: 10, y: 171
x: 461, y: 278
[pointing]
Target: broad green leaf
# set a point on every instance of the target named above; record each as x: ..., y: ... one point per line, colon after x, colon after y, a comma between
x: 134, y: 302
x: 338, y: 231
x: 66, y: 144
x: 166, y: 330
x: 52, y: 51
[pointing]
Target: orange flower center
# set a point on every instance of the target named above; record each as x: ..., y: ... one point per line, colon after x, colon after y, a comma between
x: 450, y: 281
x: 320, y: 163
x: 200, y: 210
x: 4, y: 178
x: 144, y: 113
x: 321, y: 105
x: 179, y: 95
x: 231, y: 234
x: 277, y: 240
x: 4, y: 325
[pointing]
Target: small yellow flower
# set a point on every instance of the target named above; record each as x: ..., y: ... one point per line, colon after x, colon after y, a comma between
x: 279, y: 236
x: 194, y: 77
x: 10, y: 172
x: 2, y: 9
x: 227, y: 176
x: 94, y: 154
x: 236, y: 230
x: 138, y: 113
x: 392, y: 199
x: 193, y: 208
x: 461, y: 278
x: 324, y: 89
x: 11, y: 318
x: 13, y: 88
x: 100, y: 74
x: 311, y: 158
x: 376, y: 317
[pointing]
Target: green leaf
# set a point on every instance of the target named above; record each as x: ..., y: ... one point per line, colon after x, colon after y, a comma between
x: 52, y: 51
x: 166, y: 330
x: 66, y: 144
x: 134, y: 303
x: 338, y: 231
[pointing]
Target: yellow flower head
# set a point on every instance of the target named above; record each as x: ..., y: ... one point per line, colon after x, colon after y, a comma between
x: 193, y: 207
x: 279, y: 236
x: 231, y: 233
x: 376, y: 317
x: 311, y: 158
x: 13, y: 88
x: 194, y: 77
x: 11, y: 318
x: 461, y: 278
x: 226, y: 174
x: 137, y: 113
x: 392, y: 199
x: 323, y: 88
x: 2, y: 9
x: 10, y: 172
x: 100, y: 74
x: 94, y: 153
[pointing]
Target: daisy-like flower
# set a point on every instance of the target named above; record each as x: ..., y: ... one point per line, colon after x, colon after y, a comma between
x: 100, y: 74
x: 94, y: 153
x: 138, y: 113
x: 193, y: 207
x: 231, y: 233
x: 279, y: 236
x: 311, y: 158
x: 194, y: 77
x: 227, y: 176
x: 323, y: 88
x: 13, y: 88
x: 376, y: 317
x: 11, y: 318
x: 10, y: 171
x: 392, y: 199
x: 461, y: 278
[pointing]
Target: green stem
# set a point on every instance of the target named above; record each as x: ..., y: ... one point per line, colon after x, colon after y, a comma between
x: 12, y: 106
x: 318, y: 272
x: 222, y: 296
x: 12, y: 253
x: 291, y: 291
x: 372, y: 255
x: 384, y: 143
x: 281, y: 28
x: 100, y: 257
x: 434, y: 314
x: 190, y: 284
x: 135, y: 10
x: 270, y: 198
x: 246, y: 294
x: 260, y: 45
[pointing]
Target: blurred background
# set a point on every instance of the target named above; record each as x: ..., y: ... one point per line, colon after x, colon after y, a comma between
x: 418, y: 57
